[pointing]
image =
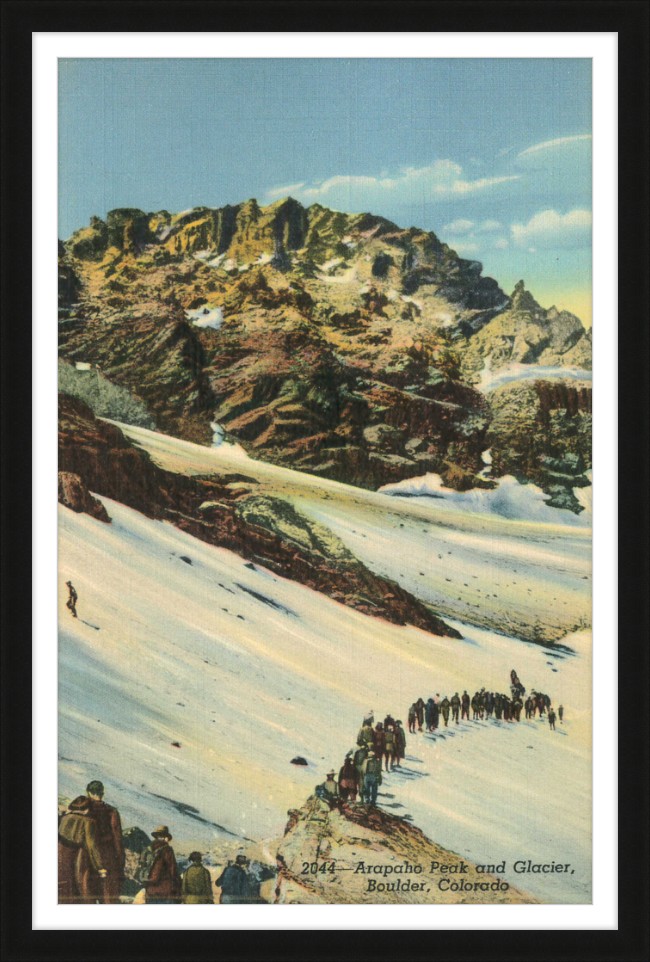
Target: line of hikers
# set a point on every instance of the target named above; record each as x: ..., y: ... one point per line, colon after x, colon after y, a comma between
x: 91, y: 862
x: 361, y: 772
x: 483, y: 704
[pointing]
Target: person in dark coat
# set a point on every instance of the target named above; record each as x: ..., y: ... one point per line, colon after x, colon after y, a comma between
x: 109, y: 836
x: 464, y: 701
x: 348, y: 780
x: 411, y: 719
x: 80, y: 864
x: 197, y: 883
x: 428, y: 714
x: 435, y: 712
x: 444, y: 708
x: 455, y: 707
x: 389, y: 720
x: 400, y: 742
x: 164, y: 883
x: 419, y: 712
x: 551, y: 719
x: 560, y: 712
x: 234, y: 883
x: 71, y: 603
x: 498, y: 706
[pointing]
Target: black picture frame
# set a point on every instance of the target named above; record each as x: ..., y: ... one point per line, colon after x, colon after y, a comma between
x: 630, y: 19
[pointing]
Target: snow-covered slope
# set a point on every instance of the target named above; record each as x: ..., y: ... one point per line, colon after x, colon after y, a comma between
x: 181, y: 642
x: 519, y: 577
x: 510, y: 499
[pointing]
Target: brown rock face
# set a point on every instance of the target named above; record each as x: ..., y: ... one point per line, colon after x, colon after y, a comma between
x: 74, y: 494
x: 223, y: 511
x: 356, y: 843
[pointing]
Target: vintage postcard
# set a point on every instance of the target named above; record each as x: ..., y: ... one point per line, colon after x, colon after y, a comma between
x: 324, y: 481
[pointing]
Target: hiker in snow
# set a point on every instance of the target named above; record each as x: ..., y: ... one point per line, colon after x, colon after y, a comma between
x: 560, y: 712
x: 419, y: 712
x: 389, y: 720
x: 541, y: 704
x: 428, y: 714
x: 527, y: 707
x: 379, y: 745
x: 400, y: 742
x: 366, y: 736
x: 516, y: 707
x: 411, y: 719
x: 233, y: 883
x: 359, y: 758
x: 489, y: 704
x: 348, y: 780
x: 444, y: 708
x: 435, y: 712
x: 81, y: 867
x: 506, y: 707
x: 455, y: 707
x: 464, y: 701
x: 551, y: 719
x: 371, y: 778
x: 109, y: 837
x: 164, y: 883
x: 498, y: 706
x: 197, y: 883
x: 476, y: 706
x: 71, y: 603
x: 389, y: 747
x: 369, y: 718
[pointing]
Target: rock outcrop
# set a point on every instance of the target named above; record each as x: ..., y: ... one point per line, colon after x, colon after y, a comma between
x: 225, y: 511
x: 74, y: 494
x: 337, y: 344
x: 525, y: 333
x: 355, y: 854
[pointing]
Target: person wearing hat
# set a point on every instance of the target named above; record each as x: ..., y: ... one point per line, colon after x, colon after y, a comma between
x: 371, y: 778
x: 164, y: 883
x: 348, y: 779
x: 71, y: 603
x: 233, y: 883
x: 400, y: 742
x: 80, y: 862
x: 455, y: 707
x: 109, y: 836
x: 197, y: 883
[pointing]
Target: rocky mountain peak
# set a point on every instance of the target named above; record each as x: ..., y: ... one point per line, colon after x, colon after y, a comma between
x: 522, y: 301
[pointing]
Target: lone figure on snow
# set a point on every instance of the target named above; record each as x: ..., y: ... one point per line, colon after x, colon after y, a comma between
x: 71, y: 603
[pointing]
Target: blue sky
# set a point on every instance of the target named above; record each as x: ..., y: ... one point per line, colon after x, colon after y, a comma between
x: 493, y: 155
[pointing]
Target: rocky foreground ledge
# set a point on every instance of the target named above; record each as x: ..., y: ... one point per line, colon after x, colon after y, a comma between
x: 355, y: 854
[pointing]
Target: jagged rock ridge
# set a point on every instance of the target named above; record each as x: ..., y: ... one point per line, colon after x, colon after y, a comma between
x: 333, y: 343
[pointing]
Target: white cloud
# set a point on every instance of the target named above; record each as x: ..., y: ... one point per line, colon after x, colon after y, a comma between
x: 287, y: 191
x: 548, y: 229
x: 459, y: 226
x: 440, y: 180
x: 489, y: 225
x: 553, y: 144
x: 501, y: 244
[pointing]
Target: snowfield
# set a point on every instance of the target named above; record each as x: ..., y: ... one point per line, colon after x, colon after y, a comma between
x: 510, y: 499
x: 191, y: 679
x: 517, y: 577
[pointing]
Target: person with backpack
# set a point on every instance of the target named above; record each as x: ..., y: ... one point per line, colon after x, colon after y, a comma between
x: 197, y: 883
